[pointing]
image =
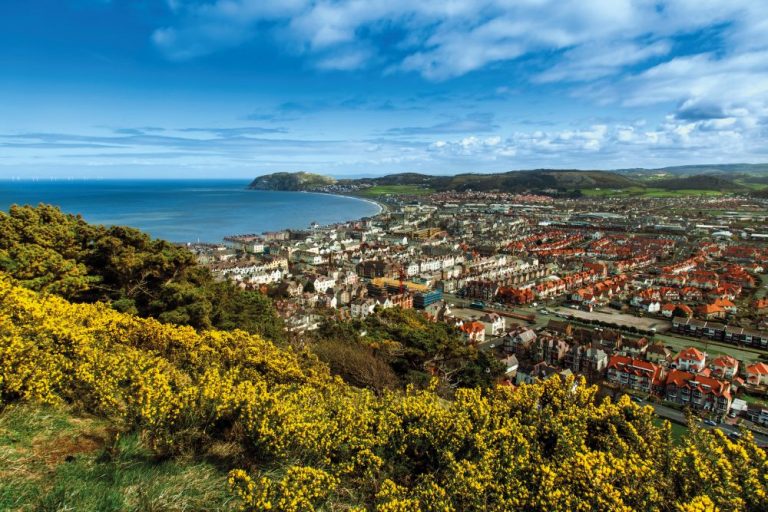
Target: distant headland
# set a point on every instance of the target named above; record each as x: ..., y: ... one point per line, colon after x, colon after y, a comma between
x: 732, y: 178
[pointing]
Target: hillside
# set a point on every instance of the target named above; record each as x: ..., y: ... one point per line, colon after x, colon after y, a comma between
x: 716, y: 178
x: 291, y: 181
x: 699, y: 182
x: 687, y: 170
x: 514, y: 181
x: 295, y: 439
x: 104, y: 410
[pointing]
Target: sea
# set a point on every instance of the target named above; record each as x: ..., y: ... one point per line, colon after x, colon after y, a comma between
x: 186, y: 210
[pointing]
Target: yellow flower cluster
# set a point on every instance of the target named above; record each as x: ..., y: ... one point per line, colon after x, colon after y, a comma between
x: 314, y: 440
x: 302, y: 489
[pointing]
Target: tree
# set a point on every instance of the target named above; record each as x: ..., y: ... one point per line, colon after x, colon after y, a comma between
x: 47, y: 250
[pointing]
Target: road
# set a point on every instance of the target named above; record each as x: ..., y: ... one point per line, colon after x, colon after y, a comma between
x: 678, y: 417
x: 661, y: 410
x: 462, y: 304
x: 677, y: 342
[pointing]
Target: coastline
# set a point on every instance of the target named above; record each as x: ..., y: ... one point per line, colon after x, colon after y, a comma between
x: 189, y: 211
x: 383, y: 208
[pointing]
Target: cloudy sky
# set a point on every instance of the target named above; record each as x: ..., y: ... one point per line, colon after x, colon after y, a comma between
x: 220, y: 88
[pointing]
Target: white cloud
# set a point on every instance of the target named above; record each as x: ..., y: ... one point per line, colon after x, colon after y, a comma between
x: 445, y: 38
x: 628, y: 52
x: 346, y: 60
x: 597, y: 60
x: 618, y: 145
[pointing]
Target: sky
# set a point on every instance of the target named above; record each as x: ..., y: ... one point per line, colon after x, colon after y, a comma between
x: 240, y: 88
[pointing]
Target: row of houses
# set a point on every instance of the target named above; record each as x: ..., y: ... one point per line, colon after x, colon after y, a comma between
x: 682, y: 387
x: 719, y: 332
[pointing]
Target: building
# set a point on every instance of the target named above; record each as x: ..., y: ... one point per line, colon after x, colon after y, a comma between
x: 710, y: 312
x: 634, y: 373
x: 698, y: 391
x: 494, y: 324
x: 586, y: 360
x: 725, y: 367
x: 520, y: 342
x: 690, y: 360
x: 424, y: 299
x: 658, y: 353
x: 361, y: 308
x: 473, y: 332
x: 741, y: 336
x: 757, y: 374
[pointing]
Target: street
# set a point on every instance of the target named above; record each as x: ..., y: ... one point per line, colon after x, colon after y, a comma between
x: 679, y: 417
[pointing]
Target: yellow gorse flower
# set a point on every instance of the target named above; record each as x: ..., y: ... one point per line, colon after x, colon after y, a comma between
x: 312, y: 440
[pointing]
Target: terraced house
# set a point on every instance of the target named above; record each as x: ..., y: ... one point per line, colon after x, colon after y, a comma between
x: 635, y: 373
x: 698, y: 391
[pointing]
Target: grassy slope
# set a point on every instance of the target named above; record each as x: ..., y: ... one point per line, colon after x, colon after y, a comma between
x: 647, y: 192
x: 54, y: 459
x: 678, y: 430
x: 378, y: 190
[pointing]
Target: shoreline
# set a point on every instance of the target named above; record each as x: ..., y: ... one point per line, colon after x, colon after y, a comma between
x: 383, y: 208
x: 180, y: 223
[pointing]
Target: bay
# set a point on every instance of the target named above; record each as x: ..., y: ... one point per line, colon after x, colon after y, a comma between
x: 186, y: 210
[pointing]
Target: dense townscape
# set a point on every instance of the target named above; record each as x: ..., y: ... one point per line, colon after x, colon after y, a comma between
x: 664, y: 298
x: 476, y: 352
x: 384, y: 256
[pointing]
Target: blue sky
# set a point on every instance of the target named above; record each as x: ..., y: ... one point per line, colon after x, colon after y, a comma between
x: 238, y: 88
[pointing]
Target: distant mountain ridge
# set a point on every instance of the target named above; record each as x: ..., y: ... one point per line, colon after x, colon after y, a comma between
x: 513, y: 181
x: 683, y: 170
x: 716, y: 177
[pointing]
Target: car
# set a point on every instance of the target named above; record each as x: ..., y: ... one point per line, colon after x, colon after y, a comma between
x: 710, y: 423
x: 637, y: 399
x: 732, y: 414
x: 734, y: 435
x: 543, y: 312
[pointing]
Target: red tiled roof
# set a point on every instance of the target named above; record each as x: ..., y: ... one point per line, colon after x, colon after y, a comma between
x: 635, y: 366
x: 704, y: 384
x: 725, y: 361
x: 472, y: 327
x: 691, y: 353
x: 758, y: 368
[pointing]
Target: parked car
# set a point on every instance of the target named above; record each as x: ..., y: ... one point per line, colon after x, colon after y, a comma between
x: 710, y: 423
x: 637, y: 399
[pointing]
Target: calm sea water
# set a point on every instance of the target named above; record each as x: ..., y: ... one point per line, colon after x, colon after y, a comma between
x: 186, y: 211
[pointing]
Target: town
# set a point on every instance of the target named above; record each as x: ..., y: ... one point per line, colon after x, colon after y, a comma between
x: 661, y: 298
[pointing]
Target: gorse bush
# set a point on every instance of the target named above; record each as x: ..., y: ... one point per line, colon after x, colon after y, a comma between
x: 53, y: 252
x: 400, y: 347
x: 308, y: 441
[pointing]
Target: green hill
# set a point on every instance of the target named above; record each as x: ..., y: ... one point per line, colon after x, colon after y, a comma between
x: 107, y: 411
x: 291, y: 181
x: 699, y: 182
x: 514, y: 181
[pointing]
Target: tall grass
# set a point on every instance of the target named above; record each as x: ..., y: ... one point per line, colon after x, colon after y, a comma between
x: 54, y: 460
